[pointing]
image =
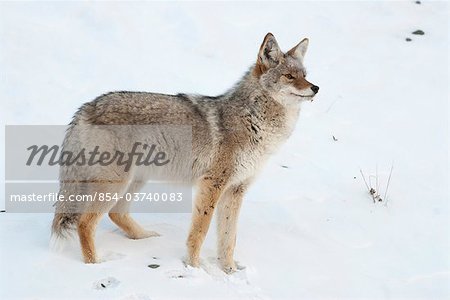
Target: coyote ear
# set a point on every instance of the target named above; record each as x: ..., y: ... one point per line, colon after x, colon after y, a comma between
x: 269, y: 53
x: 299, y: 51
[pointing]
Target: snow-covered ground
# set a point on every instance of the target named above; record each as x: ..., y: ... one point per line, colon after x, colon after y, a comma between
x: 308, y: 228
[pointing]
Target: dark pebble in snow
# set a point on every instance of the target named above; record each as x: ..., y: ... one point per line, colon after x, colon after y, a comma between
x: 2, y: 210
x: 106, y: 283
x: 418, y: 32
x: 153, y: 266
x: 408, y: 39
x: 286, y: 167
x: 418, y: 2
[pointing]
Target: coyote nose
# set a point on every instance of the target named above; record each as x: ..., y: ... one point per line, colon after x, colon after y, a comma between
x: 315, y: 89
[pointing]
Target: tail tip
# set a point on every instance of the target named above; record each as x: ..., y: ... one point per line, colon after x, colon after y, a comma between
x: 57, y: 242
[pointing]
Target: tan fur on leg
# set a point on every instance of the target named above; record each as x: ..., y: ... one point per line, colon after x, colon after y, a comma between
x: 119, y: 214
x: 89, y: 219
x: 130, y: 226
x: 209, y: 192
x: 86, y: 231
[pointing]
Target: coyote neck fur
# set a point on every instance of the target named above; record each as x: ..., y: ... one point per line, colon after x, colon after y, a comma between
x: 248, y: 110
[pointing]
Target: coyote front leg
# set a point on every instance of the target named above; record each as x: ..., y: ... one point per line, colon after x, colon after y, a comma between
x: 227, y: 216
x: 209, y: 192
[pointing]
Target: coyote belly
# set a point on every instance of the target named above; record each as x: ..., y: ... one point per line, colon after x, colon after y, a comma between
x: 232, y: 136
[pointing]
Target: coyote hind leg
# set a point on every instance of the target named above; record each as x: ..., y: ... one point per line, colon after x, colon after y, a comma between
x: 120, y: 215
x: 89, y: 219
x: 86, y: 231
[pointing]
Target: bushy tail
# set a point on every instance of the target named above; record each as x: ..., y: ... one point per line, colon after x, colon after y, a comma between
x: 63, y: 228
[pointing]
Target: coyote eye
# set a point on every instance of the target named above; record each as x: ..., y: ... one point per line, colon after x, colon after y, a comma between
x: 289, y: 76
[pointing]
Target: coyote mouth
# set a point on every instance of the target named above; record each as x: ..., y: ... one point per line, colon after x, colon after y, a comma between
x: 303, y: 96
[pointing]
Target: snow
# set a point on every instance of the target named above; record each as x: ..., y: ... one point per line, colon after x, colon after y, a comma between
x: 308, y: 230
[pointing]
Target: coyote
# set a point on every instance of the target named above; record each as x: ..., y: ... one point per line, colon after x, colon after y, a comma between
x: 232, y: 136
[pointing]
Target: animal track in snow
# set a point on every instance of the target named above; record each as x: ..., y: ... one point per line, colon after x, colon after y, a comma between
x: 110, y: 256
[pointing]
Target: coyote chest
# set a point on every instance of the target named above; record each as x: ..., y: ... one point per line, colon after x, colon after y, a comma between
x: 262, y: 140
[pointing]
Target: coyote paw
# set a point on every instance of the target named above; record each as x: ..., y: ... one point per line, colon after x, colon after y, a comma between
x: 91, y: 260
x: 229, y: 269
x: 230, y: 266
x: 192, y: 262
x: 144, y: 234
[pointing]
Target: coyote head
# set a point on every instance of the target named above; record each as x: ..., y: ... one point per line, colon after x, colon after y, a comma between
x: 282, y: 75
